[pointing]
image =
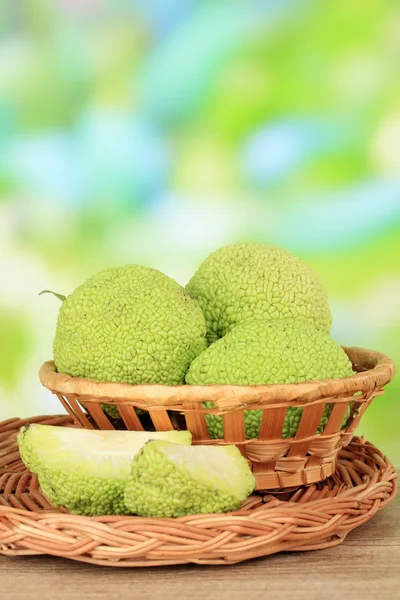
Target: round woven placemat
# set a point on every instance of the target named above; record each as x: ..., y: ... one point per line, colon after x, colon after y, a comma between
x: 306, y: 518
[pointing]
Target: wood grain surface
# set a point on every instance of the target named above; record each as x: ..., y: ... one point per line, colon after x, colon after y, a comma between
x: 366, y: 567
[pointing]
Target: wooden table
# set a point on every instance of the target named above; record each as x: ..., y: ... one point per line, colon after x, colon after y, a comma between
x: 366, y: 567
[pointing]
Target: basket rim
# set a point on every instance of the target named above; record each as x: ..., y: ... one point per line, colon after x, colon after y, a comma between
x: 377, y: 370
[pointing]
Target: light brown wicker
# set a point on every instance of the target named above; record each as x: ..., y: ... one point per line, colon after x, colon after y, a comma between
x: 276, y: 462
x: 308, y: 518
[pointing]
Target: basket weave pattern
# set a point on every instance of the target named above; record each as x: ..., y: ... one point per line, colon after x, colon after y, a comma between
x: 316, y: 517
x: 276, y: 463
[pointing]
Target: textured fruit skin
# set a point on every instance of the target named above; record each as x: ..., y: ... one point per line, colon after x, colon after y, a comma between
x: 89, y: 497
x: 259, y: 352
x: 130, y: 324
x: 113, y: 412
x: 247, y: 280
x: 71, y: 483
x: 79, y: 494
x: 109, y: 409
x: 159, y: 487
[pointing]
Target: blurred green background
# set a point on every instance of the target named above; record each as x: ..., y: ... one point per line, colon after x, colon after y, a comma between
x: 156, y: 131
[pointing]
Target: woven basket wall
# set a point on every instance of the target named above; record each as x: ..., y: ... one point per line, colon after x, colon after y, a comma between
x: 306, y: 458
x: 308, y: 518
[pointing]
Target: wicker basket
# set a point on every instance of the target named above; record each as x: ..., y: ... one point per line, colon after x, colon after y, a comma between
x: 309, y: 518
x: 277, y: 463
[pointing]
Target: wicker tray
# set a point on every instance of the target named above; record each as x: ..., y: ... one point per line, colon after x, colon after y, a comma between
x: 307, y: 518
x: 306, y: 458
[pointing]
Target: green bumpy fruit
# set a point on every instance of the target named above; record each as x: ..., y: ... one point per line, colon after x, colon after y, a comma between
x: 83, y: 470
x: 168, y: 480
x: 109, y: 409
x: 259, y: 352
x: 130, y: 324
x: 251, y: 280
x: 113, y: 412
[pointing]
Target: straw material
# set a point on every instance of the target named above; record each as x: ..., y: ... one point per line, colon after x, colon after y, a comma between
x: 307, y: 518
x: 276, y: 463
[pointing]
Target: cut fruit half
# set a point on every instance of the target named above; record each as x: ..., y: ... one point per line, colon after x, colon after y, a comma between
x: 86, y: 470
x: 169, y: 480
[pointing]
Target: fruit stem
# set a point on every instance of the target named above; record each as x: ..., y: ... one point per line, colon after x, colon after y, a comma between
x: 59, y: 296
